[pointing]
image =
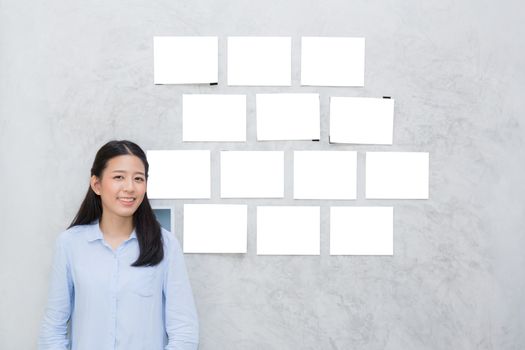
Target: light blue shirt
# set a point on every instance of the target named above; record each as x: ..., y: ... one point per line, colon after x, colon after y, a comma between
x: 113, y: 305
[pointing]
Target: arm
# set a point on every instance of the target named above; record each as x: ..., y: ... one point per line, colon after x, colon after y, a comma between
x: 53, y: 332
x: 182, y: 325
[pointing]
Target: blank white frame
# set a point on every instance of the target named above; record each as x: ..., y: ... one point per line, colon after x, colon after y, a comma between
x: 185, y: 59
x: 215, y: 228
x: 325, y: 175
x: 361, y: 120
x: 213, y: 117
x: 179, y: 174
x: 288, y: 116
x: 252, y: 174
x: 259, y: 61
x: 332, y: 61
x: 288, y: 230
x: 361, y: 231
x: 397, y: 175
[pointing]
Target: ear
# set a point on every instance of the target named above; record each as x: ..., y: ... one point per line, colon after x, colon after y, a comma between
x: 95, y: 184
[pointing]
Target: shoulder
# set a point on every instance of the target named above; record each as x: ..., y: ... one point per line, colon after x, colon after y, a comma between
x: 170, y: 241
x: 73, y: 234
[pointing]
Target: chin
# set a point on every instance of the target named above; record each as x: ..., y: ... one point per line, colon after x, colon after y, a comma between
x: 126, y: 213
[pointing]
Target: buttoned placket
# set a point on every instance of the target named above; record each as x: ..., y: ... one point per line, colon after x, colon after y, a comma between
x: 114, y: 286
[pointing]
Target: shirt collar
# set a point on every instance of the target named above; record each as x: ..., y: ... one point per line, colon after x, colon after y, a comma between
x: 95, y: 232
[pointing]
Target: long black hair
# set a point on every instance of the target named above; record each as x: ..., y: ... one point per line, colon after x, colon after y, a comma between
x: 146, y: 225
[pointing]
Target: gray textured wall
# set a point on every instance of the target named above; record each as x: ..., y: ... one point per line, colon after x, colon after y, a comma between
x: 74, y: 74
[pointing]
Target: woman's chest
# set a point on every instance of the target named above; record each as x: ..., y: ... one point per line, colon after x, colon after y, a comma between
x: 103, y: 272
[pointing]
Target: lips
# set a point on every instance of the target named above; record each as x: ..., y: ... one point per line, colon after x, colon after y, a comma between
x: 126, y: 201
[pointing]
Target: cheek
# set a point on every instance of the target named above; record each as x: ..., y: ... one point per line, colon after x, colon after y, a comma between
x: 141, y: 190
x: 113, y: 189
x: 109, y: 191
x: 107, y: 199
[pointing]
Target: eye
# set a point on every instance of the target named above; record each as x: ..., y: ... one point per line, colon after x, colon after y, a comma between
x: 118, y: 177
x: 139, y: 179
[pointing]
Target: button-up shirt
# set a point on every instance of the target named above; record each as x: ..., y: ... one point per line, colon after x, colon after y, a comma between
x: 112, y: 305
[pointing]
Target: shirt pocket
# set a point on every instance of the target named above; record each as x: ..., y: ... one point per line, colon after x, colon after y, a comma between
x: 144, y: 281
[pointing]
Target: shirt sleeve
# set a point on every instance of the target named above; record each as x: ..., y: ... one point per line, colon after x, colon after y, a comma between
x: 182, y: 325
x: 53, y: 332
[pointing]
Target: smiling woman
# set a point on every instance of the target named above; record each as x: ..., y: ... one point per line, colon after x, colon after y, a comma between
x: 121, y: 191
x: 117, y: 276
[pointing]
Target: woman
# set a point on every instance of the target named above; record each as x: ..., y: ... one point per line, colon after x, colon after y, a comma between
x: 117, y: 276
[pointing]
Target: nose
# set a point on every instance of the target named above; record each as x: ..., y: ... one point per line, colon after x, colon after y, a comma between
x: 128, y: 185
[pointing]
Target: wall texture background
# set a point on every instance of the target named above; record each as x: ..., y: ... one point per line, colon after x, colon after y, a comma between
x: 75, y: 74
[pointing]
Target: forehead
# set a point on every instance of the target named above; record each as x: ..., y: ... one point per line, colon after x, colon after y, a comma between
x: 129, y: 163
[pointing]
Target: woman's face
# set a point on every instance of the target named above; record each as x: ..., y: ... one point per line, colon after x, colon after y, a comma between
x: 122, y: 185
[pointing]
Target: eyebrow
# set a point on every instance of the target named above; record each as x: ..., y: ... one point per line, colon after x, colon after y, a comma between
x: 123, y: 171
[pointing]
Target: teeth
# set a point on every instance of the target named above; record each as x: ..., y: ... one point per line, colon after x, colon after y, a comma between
x: 127, y: 199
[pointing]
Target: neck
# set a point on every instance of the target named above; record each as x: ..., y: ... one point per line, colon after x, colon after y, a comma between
x: 116, y: 226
